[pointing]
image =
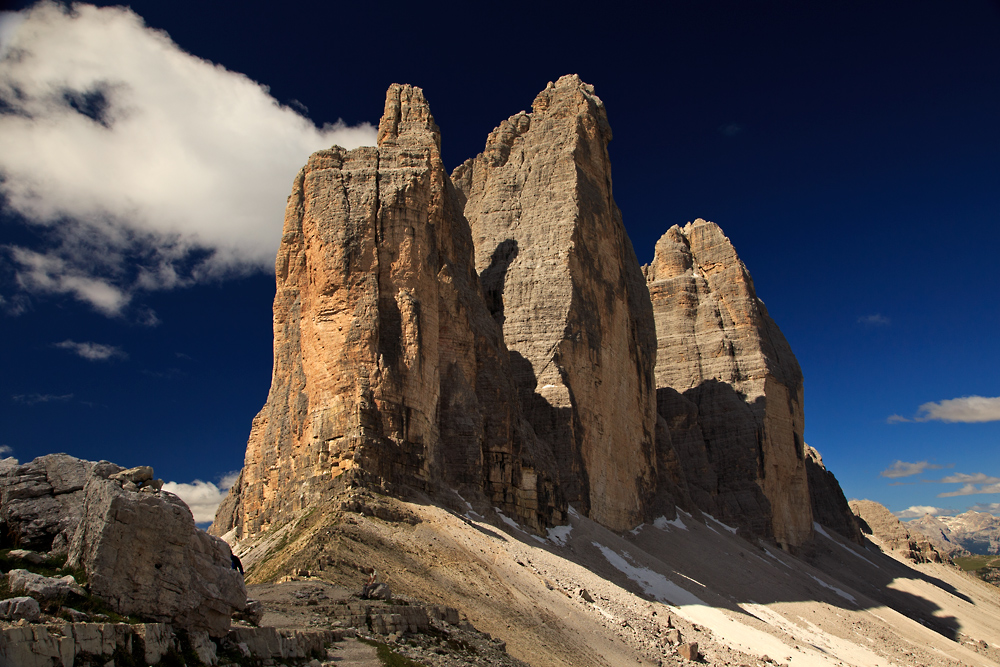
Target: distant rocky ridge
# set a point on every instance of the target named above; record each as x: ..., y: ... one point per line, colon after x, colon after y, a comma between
x: 968, y: 533
x: 876, y: 520
x: 489, y: 337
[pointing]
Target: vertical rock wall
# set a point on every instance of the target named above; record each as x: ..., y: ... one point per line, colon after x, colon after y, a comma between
x: 388, y: 368
x: 561, y: 277
x: 725, y: 374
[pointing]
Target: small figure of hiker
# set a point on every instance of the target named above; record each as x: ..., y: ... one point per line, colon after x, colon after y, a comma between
x: 237, y: 565
x: 368, y: 589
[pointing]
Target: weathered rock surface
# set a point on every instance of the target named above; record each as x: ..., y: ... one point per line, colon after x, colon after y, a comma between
x: 878, y: 521
x: 829, y: 505
x: 144, y: 556
x: 41, y: 501
x: 43, y: 588
x: 561, y: 277
x: 969, y: 532
x: 728, y: 387
x: 389, y: 369
x: 20, y: 608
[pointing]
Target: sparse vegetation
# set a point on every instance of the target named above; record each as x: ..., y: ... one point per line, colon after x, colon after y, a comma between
x: 388, y: 657
x: 986, y: 567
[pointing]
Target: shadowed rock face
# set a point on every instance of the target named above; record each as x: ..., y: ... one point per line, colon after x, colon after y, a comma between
x: 829, y: 505
x: 562, y: 278
x: 728, y: 387
x: 389, y: 369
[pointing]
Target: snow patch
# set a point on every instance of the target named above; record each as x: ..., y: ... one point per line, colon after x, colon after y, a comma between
x: 842, y: 593
x: 652, y: 583
x: 559, y: 534
x: 819, y: 529
x: 663, y: 524
x: 506, y: 519
x: 722, y: 525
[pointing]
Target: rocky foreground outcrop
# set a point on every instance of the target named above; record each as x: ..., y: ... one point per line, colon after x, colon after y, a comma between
x: 491, y: 333
x: 137, y: 545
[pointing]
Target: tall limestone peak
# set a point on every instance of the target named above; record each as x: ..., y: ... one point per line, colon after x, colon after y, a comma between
x: 561, y: 277
x: 389, y: 370
x: 407, y: 119
x: 726, y: 377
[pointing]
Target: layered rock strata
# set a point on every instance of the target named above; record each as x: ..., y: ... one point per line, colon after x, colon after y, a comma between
x: 728, y: 387
x: 389, y: 369
x: 561, y: 277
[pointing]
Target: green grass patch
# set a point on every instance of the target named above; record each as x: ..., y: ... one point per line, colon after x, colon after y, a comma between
x: 388, y: 657
x: 976, y: 562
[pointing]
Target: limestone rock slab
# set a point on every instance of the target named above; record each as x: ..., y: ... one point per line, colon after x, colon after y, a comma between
x: 144, y: 555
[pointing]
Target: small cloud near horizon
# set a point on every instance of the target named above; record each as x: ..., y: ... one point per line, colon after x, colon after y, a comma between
x: 92, y: 351
x: 904, y: 469
x: 6, y: 450
x: 875, y: 320
x: 918, y: 511
x: 203, y: 497
x: 35, y: 399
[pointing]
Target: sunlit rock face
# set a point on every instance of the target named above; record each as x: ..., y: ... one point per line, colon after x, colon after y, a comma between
x: 389, y: 369
x: 561, y: 277
x: 728, y: 387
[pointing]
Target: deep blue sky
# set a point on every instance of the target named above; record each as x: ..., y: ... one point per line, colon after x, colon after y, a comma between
x: 848, y: 149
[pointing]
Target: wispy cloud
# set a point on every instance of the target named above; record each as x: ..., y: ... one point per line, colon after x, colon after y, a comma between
x: 35, y: 399
x: 917, y: 511
x: 904, y: 469
x: 962, y: 478
x: 140, y: 166
x: 971, y: 490
x: 6, y: 450
x: 203, y: 497
x: 730, y: 129
x: 93, y: 351
x: 876, y: 320
x: 971, y: 484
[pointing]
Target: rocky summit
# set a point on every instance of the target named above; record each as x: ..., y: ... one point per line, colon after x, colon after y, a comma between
x: 488, y: 339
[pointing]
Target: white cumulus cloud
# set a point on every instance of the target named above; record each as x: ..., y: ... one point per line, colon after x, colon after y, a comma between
x: 968, y: 409
x: 202, y: 497
x: 92, y: 351
x: 141, y: 166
